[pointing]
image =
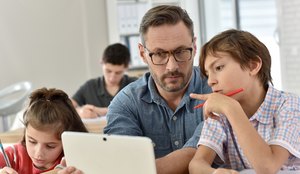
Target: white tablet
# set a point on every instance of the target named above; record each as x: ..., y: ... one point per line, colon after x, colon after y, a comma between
x: 109, y: 154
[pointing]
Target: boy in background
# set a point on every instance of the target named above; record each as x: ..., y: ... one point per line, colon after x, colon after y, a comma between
x: 93, y: 97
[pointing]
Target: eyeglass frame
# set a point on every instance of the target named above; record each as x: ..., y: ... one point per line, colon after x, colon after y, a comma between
x: 172, y: 52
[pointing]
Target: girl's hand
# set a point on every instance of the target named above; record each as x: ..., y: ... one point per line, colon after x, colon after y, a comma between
x: 67, y: 170
x: 8, y: 170
x: 225, y: 171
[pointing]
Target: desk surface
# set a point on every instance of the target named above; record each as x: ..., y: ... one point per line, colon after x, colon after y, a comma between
x: 94, y: 126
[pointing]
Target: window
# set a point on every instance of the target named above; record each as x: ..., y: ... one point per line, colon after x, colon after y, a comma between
x: 256, y: 16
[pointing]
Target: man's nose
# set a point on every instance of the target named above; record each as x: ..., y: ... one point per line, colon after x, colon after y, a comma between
x: 172, y: 64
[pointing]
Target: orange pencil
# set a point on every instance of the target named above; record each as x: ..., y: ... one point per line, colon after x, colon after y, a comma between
x: 231, y: 93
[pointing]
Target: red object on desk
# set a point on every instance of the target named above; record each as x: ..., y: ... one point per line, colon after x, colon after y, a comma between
x: 231, y: 93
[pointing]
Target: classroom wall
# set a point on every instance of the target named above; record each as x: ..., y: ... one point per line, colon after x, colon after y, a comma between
x: 57, y: 43
x: 53, y: 43
x: 289, y: 37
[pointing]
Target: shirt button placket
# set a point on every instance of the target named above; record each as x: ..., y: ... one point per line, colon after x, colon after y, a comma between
x: 174, y: 118
x: 176, y: 142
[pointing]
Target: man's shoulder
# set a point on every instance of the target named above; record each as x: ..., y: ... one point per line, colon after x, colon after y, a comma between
x: 130, y: 79
x: 140, y: 82
x: 197, y: 72
x: 137, y: 88
x: 198, y: 82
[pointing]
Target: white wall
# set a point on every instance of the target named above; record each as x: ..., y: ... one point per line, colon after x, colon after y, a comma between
x: 57, y: 43
x: 52, y: 43
x: 289, y: 27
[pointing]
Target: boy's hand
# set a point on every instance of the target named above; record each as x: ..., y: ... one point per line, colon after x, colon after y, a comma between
x: 215, y: 104
x: 87, y: 111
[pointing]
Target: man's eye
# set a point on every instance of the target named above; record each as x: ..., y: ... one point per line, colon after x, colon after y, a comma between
x: 182, y: 52
x: 161, y: 54
x: 179, y: 51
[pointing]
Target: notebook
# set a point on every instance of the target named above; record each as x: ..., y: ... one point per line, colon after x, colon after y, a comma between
x: 109, y: 154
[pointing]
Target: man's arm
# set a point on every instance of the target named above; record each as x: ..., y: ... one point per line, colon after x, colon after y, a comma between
x: 176, y: 162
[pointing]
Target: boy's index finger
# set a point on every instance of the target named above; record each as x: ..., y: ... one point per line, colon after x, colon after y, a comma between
x: 199, y: 97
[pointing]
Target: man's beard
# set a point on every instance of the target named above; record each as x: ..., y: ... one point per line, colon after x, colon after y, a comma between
x: 170, y: 88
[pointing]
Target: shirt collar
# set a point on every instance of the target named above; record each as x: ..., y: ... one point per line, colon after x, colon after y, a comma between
x: 155, y: 97
x: 263, y: 113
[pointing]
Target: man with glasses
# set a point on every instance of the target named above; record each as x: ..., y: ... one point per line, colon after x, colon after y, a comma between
x: 158, y: 105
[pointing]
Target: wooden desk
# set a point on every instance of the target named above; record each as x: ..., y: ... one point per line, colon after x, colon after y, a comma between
x: 95, y: 127
x: 15, y: 136
x: 11, y: 137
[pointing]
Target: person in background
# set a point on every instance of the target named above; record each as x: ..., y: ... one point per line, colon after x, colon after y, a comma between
x: 50, y: 112
x: 258, y: 128
x: 158, y: 105
x: 93, y: 97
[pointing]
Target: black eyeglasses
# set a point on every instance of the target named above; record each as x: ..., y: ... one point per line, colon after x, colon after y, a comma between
x: 162, y: 57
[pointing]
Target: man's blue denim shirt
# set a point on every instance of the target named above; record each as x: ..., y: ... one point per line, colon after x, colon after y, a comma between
x: 139, y: 110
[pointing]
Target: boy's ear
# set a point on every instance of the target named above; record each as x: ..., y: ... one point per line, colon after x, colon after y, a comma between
x: 255, y: 65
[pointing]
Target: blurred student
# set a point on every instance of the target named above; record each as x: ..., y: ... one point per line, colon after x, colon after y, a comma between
x: 50, y: 112
x: 258, y: 128
x: 94, y: 96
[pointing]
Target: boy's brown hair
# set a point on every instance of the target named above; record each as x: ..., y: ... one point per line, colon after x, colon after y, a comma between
x: 116, y: 54
x: 243, y: 47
